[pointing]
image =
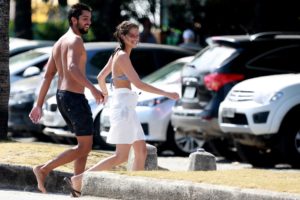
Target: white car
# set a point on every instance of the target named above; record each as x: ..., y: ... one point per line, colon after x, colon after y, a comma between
x: 262, y: 116
x: 154, y: 112
x: 28, y: 63
x: 19, y: 45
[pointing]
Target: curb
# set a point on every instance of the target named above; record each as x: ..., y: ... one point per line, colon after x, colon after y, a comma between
x: 22, y: 178
x: 105, y: 184
x: 116, y: 186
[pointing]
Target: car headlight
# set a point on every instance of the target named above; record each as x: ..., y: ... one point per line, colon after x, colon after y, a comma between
x: 265, y: 98
x: 22, y: 96
x: 152, y: 102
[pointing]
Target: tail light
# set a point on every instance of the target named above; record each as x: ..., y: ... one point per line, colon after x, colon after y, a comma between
x: 215, y: 81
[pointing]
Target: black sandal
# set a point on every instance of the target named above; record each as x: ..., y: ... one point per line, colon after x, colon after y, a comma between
x: 73, y: 192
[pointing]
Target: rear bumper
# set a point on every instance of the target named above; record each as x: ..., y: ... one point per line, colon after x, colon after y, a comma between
x: 191, y: 120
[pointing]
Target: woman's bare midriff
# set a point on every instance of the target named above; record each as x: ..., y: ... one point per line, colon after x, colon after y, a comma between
x: 122, y: 84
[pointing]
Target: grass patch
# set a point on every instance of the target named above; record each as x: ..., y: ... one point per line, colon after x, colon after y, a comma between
x: 31, y: 154
x: 280, y: 181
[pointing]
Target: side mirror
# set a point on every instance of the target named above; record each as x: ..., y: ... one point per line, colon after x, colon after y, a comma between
x: 31, y: 71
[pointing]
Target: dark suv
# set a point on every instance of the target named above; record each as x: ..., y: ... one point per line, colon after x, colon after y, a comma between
x: 215, y: 70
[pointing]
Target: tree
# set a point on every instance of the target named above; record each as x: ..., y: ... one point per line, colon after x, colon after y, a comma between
x: 105, y: 17
x: 4, y: 69
x: 109, y: 13
x: 23, y: 23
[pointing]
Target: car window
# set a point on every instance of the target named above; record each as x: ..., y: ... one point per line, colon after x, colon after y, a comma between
x: 284, y: 59
x: 143, y: 61
x: 95, y: 62
x: 164, y: 57
x: 168, y: 74
x: 17, y: 62
x: 213, y: 57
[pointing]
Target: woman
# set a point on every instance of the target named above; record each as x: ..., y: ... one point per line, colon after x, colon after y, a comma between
x: 126, y: 130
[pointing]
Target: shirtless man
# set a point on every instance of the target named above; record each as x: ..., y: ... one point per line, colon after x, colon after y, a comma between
x: 68, y: 59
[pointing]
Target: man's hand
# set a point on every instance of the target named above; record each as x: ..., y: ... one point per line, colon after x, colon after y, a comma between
x: 35, y: 114
x: 97, y: 95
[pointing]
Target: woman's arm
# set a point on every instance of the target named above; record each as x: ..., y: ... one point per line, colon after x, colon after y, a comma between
x: 134, y: 78
x: 102, y: 77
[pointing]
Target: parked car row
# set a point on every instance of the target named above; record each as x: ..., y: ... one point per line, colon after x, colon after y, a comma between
x: 147, y: 58
x: 207, y: 80
x: 238, y: 95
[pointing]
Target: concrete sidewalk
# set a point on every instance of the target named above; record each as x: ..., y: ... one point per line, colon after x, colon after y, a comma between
x: 111, y: 185
x: 117, y: 186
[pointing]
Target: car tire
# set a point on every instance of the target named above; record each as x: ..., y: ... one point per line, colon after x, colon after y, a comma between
x: 289, y: 142
x: 182, y: 144
x: 99, y: 142
x: 261, y: 158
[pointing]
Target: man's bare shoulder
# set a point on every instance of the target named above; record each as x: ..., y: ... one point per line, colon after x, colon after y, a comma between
x: 75, y: 41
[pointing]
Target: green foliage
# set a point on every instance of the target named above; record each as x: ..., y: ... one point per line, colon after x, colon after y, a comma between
x: 53, y: 30
x: 11, y: 29
x: 49, y: 30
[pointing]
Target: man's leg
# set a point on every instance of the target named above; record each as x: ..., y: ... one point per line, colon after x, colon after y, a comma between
x: 82, y: 149
x: 80, y: 162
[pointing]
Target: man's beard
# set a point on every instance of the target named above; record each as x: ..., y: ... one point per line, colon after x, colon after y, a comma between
x: 82, y: 30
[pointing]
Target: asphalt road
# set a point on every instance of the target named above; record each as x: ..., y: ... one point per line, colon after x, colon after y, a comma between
x: 23, y: 195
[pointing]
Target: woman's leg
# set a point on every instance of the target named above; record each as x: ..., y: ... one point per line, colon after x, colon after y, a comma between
x: 120, y: 156
x: 140, y: 155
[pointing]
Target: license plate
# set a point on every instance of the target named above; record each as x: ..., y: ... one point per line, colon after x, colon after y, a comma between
x: 228, y: 112
x: 189, y: 92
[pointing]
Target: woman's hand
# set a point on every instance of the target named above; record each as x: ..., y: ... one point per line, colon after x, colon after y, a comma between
x: 173, y: 95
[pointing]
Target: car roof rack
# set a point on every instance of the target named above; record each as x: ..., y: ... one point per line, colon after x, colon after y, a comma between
x: 268, y: 35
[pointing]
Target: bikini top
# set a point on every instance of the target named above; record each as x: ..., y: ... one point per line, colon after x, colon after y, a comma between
x: 122, y: 77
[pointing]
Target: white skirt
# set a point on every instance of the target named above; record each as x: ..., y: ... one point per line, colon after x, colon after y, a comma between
x: 125, y: 127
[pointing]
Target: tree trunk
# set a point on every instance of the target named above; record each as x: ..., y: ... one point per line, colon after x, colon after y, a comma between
x: 4, y: 67
x: 23, y: 21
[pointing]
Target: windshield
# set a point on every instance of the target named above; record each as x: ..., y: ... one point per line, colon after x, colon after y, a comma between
x: 167, y: 75
x: 17, y: 62
x: 212, y: 57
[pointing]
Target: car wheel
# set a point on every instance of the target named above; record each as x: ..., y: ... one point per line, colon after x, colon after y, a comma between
x: 257, y: 157
x: 99, y: 142
x: 183, y: 144
x: 289, y: 147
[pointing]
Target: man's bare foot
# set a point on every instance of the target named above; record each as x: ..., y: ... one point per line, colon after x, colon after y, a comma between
x: 40, y: 177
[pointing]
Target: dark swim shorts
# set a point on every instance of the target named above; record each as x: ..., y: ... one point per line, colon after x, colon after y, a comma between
x: 76, y: 112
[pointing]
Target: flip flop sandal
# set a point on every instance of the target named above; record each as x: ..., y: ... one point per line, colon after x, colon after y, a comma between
x: 73, y: 192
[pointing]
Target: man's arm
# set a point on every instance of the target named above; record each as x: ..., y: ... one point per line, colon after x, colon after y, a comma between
x: 36, y: 112
x: 73, y: 61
